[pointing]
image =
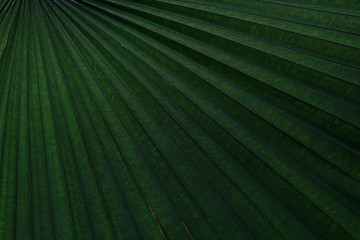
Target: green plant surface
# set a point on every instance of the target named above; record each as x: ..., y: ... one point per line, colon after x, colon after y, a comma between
x: 179, y: 119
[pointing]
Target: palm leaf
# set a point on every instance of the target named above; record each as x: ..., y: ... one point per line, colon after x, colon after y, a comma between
x: 169, y: 119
